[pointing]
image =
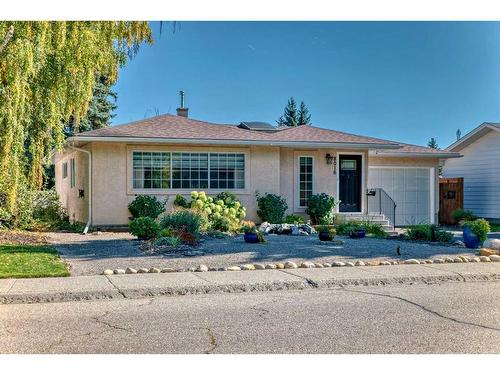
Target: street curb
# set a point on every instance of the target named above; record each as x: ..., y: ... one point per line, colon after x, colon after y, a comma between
x: 301, y: 283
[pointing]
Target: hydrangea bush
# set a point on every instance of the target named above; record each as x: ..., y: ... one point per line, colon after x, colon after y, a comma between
x: 223, y: 214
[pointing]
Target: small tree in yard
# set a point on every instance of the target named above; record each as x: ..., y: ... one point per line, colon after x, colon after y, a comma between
x: 320, y: 208
x: 271, y: 208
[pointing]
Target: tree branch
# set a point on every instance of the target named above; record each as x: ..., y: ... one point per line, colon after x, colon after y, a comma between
x: 8, y: 37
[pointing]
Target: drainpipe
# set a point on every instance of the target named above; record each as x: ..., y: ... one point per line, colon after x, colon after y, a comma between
x: 89, y: 154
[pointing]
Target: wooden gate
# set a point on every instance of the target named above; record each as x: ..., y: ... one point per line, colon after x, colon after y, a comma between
x: 451, y: 197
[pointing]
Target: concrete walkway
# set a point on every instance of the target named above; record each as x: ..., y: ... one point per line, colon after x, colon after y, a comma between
x: 147, y: 285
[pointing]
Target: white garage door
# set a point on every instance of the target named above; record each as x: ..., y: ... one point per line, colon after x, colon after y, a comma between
x: 410, y: 188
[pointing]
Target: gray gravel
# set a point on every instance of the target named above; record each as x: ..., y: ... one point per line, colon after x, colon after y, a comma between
x: 91, y: 254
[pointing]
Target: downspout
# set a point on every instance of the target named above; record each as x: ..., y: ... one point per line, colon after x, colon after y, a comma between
x: 89, y: 221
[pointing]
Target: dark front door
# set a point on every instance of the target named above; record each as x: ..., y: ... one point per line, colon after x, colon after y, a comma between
x: 350, y: 183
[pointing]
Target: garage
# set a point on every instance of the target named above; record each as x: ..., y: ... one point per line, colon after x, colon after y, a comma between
x: 412, y: 188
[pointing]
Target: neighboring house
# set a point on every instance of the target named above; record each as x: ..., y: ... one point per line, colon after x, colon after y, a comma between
x: 168, y: 155
x: 480, y: 169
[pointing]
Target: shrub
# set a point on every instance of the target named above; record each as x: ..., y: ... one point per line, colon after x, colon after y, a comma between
x: 180, y: 201
x: 428, y: 232
x: 144, y: 228
x: 480, y: 228
x: 248, y: 227
x: 187, y: 221
x: 271, y: 207
x: 146, y: 206
x: 372, y: 229
x: 320, y: 208
x: 173, y: 241
x: 461, y: 214
x: 223, y: 213
x: 292, y: 219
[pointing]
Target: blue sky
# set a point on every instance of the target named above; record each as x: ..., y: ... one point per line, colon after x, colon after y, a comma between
x: 405, y: 81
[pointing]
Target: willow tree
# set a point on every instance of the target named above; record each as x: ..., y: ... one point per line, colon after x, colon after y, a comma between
x: 47, y: 74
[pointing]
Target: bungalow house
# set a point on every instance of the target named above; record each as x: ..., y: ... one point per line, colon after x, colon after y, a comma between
x: 480, y: 169
x: 100, y: 171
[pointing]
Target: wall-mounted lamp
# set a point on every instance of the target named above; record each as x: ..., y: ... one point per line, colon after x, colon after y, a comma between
x: 329, y: 159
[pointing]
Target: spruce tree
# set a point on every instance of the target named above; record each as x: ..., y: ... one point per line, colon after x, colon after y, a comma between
x: 304, y: 118
x: 433, y: 144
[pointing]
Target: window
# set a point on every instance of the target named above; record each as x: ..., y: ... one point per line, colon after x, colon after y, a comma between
x: 72, y: 173
x: 65, y: 169
x: 348, y: 165
x: 187, y: 170
x: 305, y: 179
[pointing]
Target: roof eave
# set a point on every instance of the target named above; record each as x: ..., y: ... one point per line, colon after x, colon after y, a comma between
x: 441, y: 155
x: 233, y: 142
x: 468, y: 137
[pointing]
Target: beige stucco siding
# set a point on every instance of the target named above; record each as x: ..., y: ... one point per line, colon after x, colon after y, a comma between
x: 76, y: 207
x: 267, y: 169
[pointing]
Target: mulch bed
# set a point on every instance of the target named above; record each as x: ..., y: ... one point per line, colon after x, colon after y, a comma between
x: 18, y: 237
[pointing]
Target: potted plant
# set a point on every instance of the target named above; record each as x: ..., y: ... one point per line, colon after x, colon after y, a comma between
x: 251, y: 234
x: 325, y: 233
x: 357, y: 233
x: 475, y: 232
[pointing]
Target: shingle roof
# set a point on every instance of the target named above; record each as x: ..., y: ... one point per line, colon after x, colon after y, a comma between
x: 170, y: 127
x: 177, y: 127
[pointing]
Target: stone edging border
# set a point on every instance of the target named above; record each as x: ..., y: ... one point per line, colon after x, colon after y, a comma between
x: 293, y: 265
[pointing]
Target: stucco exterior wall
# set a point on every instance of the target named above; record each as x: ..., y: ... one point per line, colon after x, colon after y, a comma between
x: 76, y: 207
x: 267, y: 169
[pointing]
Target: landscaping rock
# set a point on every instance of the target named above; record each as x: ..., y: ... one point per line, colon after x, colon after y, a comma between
x: 259, y: 266
x: 488, y: 252
x: 308, y: 229
x: 464, y: 258
x: 448, y: 260
x: 167, y: 270
x: 295, y: 230
x: 495, y: 258
x: 270, y: 266
x: 438, y: 260
x: 280, y: 266
x: 154, y: 270
x: 107, y: 272
x: 119, y: 271
x: 327, y: 265
x: 475, y: 260
x: 395, y: 263
x: 234, y: 268
x: 222, y: 269
x: 318, y: 265
x: 484, y: 258
x: 359, y: 263
x: 492, y: 243
x: 247, y: 267
x: 290, y: 265
x: 307, y: 265
x: 201, y: 268
x: 373, y: 263
x: 130, y: 270
x: 411, y: 261
x: 385, y: 263
x: 303, y: 233
x: 191, y: 269
x: 458, y: 243
x: 338, y: 264
x: 142, y: 270
x: 350, y: 264
x: 213, y: 269
x: 458, y: 260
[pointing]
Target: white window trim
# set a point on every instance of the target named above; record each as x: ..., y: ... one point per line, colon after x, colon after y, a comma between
x: 363, y: 182
x: 298, y: 207
x: 432, y: 185
x: 130, y: 171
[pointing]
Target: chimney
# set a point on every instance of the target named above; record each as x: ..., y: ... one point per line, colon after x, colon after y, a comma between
x: 182, y: 111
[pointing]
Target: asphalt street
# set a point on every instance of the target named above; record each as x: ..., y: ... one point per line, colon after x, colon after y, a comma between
x: 451, y: 317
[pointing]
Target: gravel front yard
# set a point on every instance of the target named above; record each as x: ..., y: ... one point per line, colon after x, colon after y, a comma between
x: 91, y: 254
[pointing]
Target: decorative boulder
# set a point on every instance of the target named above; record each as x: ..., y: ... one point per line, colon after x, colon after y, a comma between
x: 492, y: 243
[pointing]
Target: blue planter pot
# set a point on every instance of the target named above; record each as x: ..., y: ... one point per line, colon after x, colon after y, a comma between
x: 251, y: 237
x: 360, y: 233
x: 470, y: 239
